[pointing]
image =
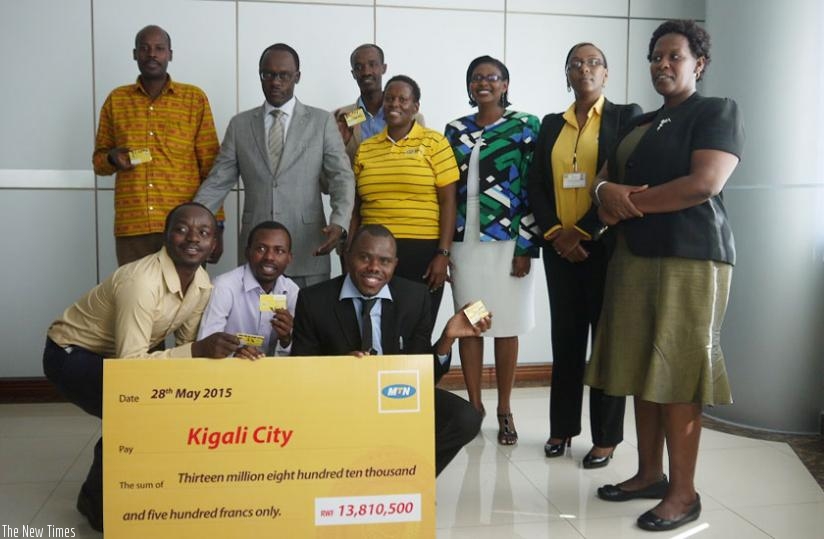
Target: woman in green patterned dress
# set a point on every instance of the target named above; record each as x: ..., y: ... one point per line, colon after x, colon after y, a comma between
x: 494, y: 238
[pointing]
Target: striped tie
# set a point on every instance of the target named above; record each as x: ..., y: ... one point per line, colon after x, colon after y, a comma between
x: 275, y: 140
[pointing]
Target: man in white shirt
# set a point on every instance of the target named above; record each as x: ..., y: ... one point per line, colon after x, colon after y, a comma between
x: 242, y: 299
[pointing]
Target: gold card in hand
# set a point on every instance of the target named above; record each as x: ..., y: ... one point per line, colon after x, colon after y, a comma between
x: 137, y: 157
x: 475, y: 312
x: 355, y: 117
x: 247, y: 339
x: 272, y: 302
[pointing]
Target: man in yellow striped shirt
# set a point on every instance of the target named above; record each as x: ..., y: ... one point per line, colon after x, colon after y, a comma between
x: 169, y: 122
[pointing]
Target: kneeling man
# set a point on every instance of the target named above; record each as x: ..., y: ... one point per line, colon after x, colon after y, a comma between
x: 126, y: 316
x: 257, y: 298
x: 367, y: 311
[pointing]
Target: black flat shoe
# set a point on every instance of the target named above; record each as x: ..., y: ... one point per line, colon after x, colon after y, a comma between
x: 591, y: 461
x: 614, y: 493
x: 556, y: 450
x: 651, y: 522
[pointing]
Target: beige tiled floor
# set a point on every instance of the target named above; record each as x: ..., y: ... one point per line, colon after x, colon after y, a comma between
x: 749, y: 488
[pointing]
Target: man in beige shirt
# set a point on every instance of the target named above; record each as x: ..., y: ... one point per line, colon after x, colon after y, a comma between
x: 127, y: 315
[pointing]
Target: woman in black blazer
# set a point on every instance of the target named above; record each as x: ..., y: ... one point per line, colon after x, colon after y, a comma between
x: 572, y: 146
x: 669, y: 275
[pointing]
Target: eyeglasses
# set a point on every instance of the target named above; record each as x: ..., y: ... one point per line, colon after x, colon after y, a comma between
x: 282, y: 76
x: 487, y: 78
x: 589, y: 62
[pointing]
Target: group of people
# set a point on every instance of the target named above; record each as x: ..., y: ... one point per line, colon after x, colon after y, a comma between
x: 368, y: 311
x: 637, y: 248
x: 638, y: 255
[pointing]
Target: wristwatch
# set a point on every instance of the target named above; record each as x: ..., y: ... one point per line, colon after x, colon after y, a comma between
x: 444, y: 252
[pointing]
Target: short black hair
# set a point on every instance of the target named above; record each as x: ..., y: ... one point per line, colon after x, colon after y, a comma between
x: 487, y: 60
x: 697, y: 37
x: 281, y: 47
x: 378, y: 231
x: 366, y: 46
x: 416, y: 90
x: 269, y: 225
x: 151, y: 28
x: 168, y: 224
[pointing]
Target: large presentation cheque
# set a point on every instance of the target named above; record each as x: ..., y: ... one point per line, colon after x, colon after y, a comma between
x: 280, y: 447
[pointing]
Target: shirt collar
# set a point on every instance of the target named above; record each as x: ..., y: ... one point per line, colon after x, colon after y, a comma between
x: 416, y: 131
x: 251, y: 284
x: 360, y: 104
x: 172, y: 279
x: 169, y: 87
x: 349, y: 290
x: 597, y: 108
x: 287, y: 108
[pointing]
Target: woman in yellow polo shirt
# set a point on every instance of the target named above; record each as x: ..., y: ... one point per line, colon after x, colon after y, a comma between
x: 572, y: 146
x: 406, y: 182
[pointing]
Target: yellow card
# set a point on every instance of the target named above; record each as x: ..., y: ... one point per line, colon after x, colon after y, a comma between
x: 475, y: 312
x: 137, y: 157
x: 247, y: 339
x: 206, y: 448
x: 270, y: 302
x: 355, y: 117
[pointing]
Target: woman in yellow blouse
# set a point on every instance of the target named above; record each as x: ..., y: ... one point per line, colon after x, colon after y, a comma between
x: 570, y: 150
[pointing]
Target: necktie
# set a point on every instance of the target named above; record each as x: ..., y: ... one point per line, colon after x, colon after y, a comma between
x: 275, y: 140
x: 366, y: 323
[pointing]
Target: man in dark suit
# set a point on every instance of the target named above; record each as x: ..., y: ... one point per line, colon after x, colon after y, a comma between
x: 288, y: 155
x: 330, y: 321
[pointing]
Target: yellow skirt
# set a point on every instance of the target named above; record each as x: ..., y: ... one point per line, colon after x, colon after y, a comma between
x: 658, y: 335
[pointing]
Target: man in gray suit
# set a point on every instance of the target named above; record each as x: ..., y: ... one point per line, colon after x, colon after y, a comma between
x: 282, y: 150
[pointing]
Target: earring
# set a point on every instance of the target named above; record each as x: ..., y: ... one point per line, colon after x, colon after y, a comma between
x: 569, y: 88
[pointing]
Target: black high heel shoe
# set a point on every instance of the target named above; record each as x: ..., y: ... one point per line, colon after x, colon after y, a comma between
x: 556, y: 450
x: 507, y: 435
x: 591, y: 461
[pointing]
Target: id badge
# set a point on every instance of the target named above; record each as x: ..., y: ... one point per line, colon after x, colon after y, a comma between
x: 575, y: 180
